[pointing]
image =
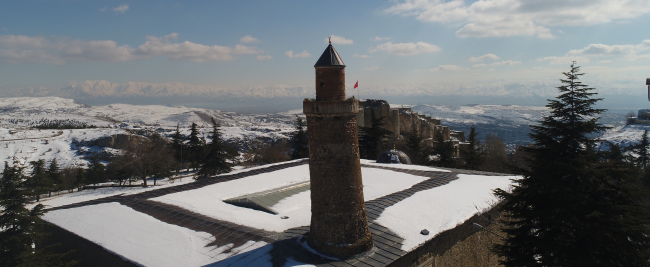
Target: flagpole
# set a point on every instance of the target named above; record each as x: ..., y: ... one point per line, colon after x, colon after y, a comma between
x: 356, y: 85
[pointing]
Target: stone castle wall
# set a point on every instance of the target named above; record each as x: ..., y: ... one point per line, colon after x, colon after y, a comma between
x: 401, y: 121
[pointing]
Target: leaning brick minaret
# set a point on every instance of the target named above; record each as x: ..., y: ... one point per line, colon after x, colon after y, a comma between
x: 339, y: 224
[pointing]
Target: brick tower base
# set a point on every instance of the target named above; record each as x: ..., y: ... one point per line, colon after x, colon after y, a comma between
x: 339, y: 224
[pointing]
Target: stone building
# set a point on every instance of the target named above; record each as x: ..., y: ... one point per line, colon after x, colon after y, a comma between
x: 401, y: 121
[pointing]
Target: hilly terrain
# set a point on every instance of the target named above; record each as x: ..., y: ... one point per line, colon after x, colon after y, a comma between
x: 27, y: 132
x: 509, y: 122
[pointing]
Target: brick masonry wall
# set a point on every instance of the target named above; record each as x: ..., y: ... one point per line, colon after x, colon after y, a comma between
x: 330, y: 83
x: 339, y: 224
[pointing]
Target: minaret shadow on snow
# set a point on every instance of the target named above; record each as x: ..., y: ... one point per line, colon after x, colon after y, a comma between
x: 339, y: 224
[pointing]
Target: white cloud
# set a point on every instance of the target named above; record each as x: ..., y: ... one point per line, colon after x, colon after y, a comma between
x: 249, y: 39
x: 605, y: 50
x: 188, y: 51
x: 506, y: 62
x: 122, y: 8
x: 625, y: 52
x: 301, y: 54
x: 360, y: 56
x: 480, y: 65
x: 379, y: 39
x: 483, y: 57
x: 564, y: 60
x: 246, y: 50
x: 447, y: 67
x: 405, y: 49
x: 498, y: 18
x: 339, y: 40
x: 19, y: 49
x: 372, y: 68
x: 265, y: 57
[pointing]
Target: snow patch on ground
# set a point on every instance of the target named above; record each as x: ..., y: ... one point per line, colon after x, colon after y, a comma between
x: 92, y: 194
x: 441, y: 208
x: 209, y: 200
x: 142, y: 238
x: 291, y: 262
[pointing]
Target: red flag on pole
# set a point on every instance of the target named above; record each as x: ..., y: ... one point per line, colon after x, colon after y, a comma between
x: 356, y: 84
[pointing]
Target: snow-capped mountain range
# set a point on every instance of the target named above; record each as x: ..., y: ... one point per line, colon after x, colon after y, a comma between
x: 102, y: 88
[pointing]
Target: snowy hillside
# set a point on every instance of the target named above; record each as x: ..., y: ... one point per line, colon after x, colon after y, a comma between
x: 19, y: 116
x: 510, y: 122
x: 627, y: 135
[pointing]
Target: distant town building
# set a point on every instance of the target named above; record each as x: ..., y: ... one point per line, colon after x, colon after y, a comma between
x: 643, y: 115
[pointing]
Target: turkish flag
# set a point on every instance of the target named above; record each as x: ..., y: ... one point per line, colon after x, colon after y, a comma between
x: 356, y: 85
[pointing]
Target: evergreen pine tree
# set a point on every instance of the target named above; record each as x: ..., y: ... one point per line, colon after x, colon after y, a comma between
x: 414, y: 146
x: 80, y: 178
x: 20, y: 228
x: 54, y: 175
x: 194, y: 147
x: 475, y: 154
x: 573, y: 207
x: 39, y: 182
x: 17, y: 224
x: 445, y: 151
x: 96, y: 172
x: 496, y: 155
x: 177, y: 145
x: 642, y: 151
x: 217, y: 159
x: 299, y: 141
x: 371, y: 138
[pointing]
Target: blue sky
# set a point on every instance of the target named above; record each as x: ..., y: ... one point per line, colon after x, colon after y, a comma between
x: 404, y: 44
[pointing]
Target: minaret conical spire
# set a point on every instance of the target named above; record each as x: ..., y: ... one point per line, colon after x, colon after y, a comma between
x: 330, y: 58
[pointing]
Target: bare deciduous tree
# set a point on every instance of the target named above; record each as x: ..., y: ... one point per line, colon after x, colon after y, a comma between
x: 148, y: 157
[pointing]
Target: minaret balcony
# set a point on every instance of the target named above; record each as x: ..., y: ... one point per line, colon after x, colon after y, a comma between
x: 333, y: 108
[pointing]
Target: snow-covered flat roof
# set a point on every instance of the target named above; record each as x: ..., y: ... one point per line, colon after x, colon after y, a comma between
x: 142, y: 239
x: 209, y: 200
x: 441, y: 208
x: 401, y: 200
